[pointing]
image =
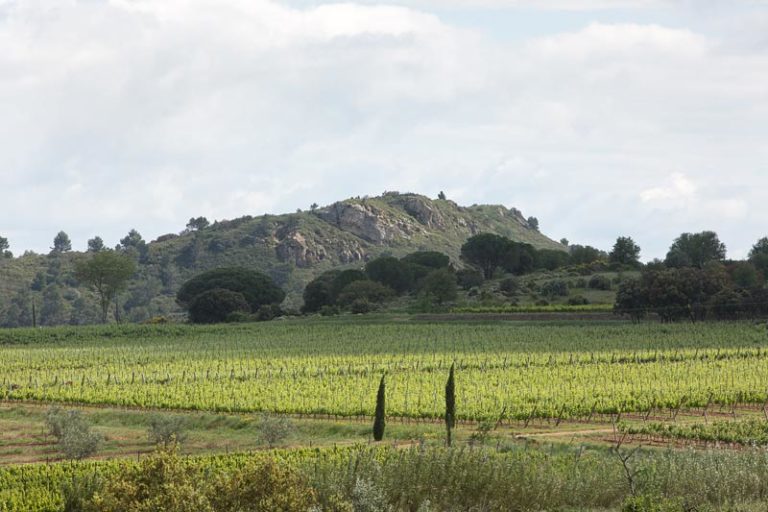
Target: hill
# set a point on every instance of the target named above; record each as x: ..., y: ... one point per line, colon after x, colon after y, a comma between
x: 292, y: 248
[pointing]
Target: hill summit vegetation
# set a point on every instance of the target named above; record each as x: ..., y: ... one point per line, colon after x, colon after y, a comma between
x: 291, y: 249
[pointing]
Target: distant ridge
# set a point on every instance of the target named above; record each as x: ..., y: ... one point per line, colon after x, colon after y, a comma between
x: 292, y: 248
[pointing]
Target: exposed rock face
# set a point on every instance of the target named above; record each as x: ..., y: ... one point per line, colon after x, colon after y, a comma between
x: 366, y: 222
x: 418, y: 208
x: 295, y: 247
x: 305, y: 252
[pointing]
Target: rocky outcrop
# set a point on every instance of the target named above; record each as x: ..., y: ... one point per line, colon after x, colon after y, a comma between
x: 295, y: 248
x: 421, y: 209
x: 367, y: 222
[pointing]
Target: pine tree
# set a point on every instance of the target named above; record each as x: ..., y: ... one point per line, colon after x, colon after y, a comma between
x: 379, y: 420
x: 450, y: 404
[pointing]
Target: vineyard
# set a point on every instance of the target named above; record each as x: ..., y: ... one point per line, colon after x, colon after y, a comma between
x: 504, y: 371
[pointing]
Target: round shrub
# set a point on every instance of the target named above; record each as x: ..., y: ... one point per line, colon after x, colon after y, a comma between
x: 256, y: 288
x: 598, y: 282
x: 217, y: 305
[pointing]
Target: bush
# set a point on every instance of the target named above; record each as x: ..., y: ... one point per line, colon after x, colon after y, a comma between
x: 273, y: 429
x: 167, y: 430
x: 329, y: 311
x: 160, y: 482
x: 578, y: 300
x: 268, y: 312
x: 73, y: 433
x: 214, y: 306
x: 360, y: 307
x: 440, y: 286
x: 368, y: 291
x: 78, y: 491
x: 263, y: 486
x: 238, y: 317
x: 556, y: 288
x: 599, y: 282
x: 510, y: 286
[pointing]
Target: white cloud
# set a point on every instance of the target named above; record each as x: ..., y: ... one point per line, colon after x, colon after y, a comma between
x: 679, y: 189
x: 138, y: 113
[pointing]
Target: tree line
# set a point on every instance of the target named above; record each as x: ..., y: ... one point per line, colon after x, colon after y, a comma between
x: 696, y: 282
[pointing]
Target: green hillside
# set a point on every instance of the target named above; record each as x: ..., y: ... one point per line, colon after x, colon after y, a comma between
x: 292, y: 248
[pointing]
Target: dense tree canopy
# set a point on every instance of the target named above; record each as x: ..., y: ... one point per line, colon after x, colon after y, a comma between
x: 625, y: 252
x: 371, y: 292
x: 216, y: 305
x: 486, y: 251
x: 319, y: 292
x: 584, y: 254
x: 391, y: 272
x: 257, y: 288
x: 695, y: 250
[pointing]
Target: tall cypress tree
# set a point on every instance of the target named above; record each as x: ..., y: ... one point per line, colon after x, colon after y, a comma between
x: 379, y: 420
x: 450, y: 404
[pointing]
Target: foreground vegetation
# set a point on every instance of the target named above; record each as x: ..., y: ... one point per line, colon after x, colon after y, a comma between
x: 377, y: 479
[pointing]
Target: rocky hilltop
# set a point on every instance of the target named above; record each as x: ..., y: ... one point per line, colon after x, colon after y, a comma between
x: 292, y: 248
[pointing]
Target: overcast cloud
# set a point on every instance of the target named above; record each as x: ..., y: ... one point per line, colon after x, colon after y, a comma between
x: 117, y: 114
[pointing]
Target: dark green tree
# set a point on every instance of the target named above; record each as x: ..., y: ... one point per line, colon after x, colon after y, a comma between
x: 5, y: 248
x: 429, y: 259
x: 486, y: 251
x: 758, y: 256
x: 441, y: 196
x: 133, y: 243
x: 367, y: 291
x: 584, y: 254
x: 257, y: 288
x: 440, y: 286
x: 744, y: 274
x: 344, y: 278
x: 450, y: 404
x: 107, y: 273
x: 379, y: 421
x: 695, y: 250
x: 625, y: 252
x: 19, y: 312
x: 533, y: 223
x: 197, y: 223
x: 391, y: 272
x: 61, y: 243
x: 632, y: 300
x: 95, y: 244
x: 216, y: 305
x: 319, y: 292
x: 549, y: 259
x: 469, y: 278
x: 521, y: 258
x: 53, y: 310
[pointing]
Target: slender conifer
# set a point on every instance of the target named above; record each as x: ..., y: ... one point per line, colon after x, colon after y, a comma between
x: 379, y: 421
x: 450, y: 405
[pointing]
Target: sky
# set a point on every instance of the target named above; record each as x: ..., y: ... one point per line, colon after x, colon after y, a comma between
x: 602, y: 118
